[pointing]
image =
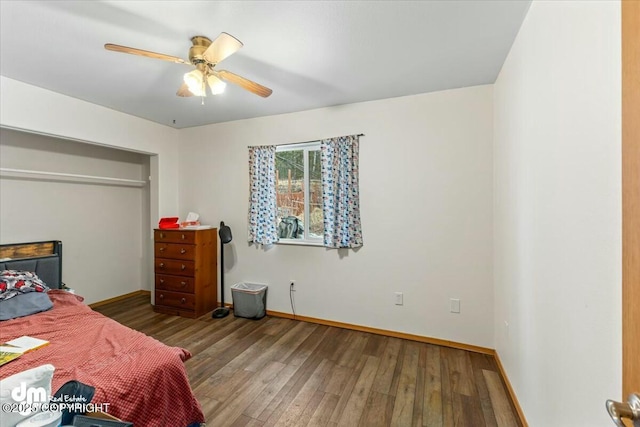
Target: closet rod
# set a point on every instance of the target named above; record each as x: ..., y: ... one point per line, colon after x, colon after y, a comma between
x: 105, y: 179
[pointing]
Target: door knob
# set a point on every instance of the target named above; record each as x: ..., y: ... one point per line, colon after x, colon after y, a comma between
x: 629, y: 410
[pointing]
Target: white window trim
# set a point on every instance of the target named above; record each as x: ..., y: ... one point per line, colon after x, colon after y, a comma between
x: 305, y: 147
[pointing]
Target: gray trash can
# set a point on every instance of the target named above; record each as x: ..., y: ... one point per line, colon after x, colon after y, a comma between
x: 249, y: 300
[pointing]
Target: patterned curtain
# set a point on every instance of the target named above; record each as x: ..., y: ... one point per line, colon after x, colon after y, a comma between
x: 340, y: 193
x: 262, y: 195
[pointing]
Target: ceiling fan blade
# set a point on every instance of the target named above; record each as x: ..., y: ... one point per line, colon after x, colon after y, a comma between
x: 223, y: 46
x: 184, y: 91
x: 247, y: 84
x: 148, y: 54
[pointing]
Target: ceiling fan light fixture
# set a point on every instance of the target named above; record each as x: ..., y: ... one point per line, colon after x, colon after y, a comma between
x: 194, y: 80
x: 216, y: 85
x: 204, y: 55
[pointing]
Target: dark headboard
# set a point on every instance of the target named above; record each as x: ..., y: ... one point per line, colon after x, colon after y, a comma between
x: 43, y: 258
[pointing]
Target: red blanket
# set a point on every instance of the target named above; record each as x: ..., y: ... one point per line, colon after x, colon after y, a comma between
x: 142, y: 380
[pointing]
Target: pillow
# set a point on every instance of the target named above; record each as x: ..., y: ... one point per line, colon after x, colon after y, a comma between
x: 15, y: 282
x: 39, y: 377
x: 24, y: 305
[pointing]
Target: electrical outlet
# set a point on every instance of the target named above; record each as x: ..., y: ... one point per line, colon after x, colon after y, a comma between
x: 398, y: 296
x: 455, y: 305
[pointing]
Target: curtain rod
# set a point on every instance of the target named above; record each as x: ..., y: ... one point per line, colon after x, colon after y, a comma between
x: 302, y: 142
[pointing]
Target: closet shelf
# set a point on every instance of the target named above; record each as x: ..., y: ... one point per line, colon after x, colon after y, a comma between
x: 71, y: 177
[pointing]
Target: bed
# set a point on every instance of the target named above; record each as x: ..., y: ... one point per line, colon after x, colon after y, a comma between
x: 142, y: 380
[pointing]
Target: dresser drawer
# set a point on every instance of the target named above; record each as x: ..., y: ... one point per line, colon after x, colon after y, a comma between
x: 174, y: 236
x: 175, y: 267
x: 174, y: 283
x: 176, y: 299
x: 175, y: 251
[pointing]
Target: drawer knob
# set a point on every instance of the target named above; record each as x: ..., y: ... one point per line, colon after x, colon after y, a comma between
x: 162, y: 265
x: 161, y: 296
x: 161, y: 280
x: 183, y: 301
x: 161, y: 249
x: 183, y: 237
x: 162, y: 235
x: 184, y: 284
x: 183, y: 250
x: 183, y: 267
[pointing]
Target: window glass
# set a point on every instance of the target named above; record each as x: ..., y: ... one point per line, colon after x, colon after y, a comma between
x: 299, y: 193
x: 316, y: 220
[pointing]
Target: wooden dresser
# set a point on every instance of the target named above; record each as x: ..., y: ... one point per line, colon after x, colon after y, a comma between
x: 186, y: 271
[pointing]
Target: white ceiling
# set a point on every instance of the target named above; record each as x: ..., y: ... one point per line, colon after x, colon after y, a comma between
x: 311, y: 53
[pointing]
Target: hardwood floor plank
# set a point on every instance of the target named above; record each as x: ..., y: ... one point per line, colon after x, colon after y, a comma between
x: 377, y: 411
x: 253, y: 346
x: 472, y: 411
x: 432, y: 407
x: 209, y: 406
x: 235, y: 405
x: 307, y: 347
x: 462, y: 380
x: 284, y: 346
x: 375, y: 345
x: 393, y: 388
x: 262, y: 401
x: 355, y: 405
x: 480, y: 362
x: 278, y: 371
x: 447, y: 398
x: 418, y: 401
x: 296, y: 407
x: 322, y: 353
x: 387, y: 368
x: 323, y: 412
x: 244, y: 421
x: 337, y: 380
x: 406, y: 393
x: 225, y: 385
x: 502, y: 407
x: 290, y: 390
x: 311, y: 408
x: 354, y: 351
x: 347, y: 390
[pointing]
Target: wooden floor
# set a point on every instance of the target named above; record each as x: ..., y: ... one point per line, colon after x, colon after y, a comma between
x: 285, y: 372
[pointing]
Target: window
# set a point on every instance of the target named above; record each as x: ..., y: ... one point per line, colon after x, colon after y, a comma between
x: 299, y: 193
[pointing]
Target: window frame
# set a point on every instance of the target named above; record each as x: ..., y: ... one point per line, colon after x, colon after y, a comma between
x: 305, y: 147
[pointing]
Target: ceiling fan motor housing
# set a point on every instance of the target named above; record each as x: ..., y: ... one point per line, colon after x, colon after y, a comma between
x: 200, y: 44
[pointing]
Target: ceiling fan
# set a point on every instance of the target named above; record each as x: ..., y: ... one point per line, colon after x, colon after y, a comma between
x: 204, y: 55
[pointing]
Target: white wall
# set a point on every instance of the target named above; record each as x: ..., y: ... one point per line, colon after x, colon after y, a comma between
x: 558, y: 213
x: 26, y: 107
x: 98, y: 261
x: 426, y: 203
